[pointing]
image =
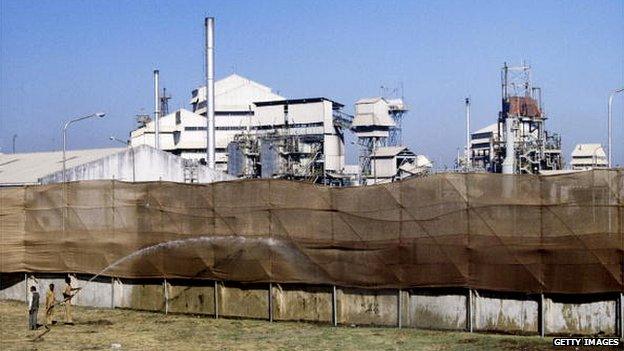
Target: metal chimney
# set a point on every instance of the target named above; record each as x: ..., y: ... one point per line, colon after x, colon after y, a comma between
x: 156, y: 109
x: 509, y: 163
x: 210, y: 108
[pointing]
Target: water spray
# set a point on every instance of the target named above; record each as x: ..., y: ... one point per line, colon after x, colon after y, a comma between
x: 164, y: 245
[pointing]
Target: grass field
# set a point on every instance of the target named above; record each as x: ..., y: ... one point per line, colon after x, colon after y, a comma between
x: 100, y: 329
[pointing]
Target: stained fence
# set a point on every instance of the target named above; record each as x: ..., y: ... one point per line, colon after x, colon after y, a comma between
x: 516, y: 233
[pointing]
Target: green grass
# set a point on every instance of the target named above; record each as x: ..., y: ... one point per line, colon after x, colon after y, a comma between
x: 98, y: 329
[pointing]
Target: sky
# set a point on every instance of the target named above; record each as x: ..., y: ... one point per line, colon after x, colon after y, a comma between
x: 64, y: 59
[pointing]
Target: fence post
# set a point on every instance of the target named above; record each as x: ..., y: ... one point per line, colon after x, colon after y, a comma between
x: 620, y: 321
x: 112, y: 293
x: 166, y: 297
x: 399, y: 309
x: 216, y: 299
x: 469, y: 311
x: 334, y: 307
x: 270, y: 302
x: 541, y: 313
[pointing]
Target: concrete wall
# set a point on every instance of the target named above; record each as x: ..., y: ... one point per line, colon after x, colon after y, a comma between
x: 580, y: 318
x: 366, y: 307
x: 148, y: 163
x: 505, y: 315
x: 433, y: 311
x: 443, y: 309
x: 302, y: 303
x: 197, y: 298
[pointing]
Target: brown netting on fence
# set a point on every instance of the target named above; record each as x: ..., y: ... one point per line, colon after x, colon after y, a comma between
x: 561, y: 234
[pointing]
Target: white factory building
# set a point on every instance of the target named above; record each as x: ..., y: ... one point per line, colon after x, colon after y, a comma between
x: 589, y: 156
x: 482, y: 147
x: 183, y: 132
x: 245, y: 107
x: 390, y: 163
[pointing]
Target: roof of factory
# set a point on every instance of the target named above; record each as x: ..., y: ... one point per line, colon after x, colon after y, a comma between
x: 492, y: 128
x: 589, y: 150
x: 27, y: 168
x: 388, y: 151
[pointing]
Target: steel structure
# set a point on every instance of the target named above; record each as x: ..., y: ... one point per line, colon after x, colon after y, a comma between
x: 523, y: 145
x: 301, y: 139
x: 164, y: 102
x: 397, y: 110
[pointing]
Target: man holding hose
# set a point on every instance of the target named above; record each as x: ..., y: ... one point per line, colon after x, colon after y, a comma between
x: 68, y: 294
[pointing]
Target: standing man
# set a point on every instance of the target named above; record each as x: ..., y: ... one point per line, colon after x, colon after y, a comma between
x: 31, y: 281
x: 33, y: 308
x: 68, y: 294
x: 49, y: 303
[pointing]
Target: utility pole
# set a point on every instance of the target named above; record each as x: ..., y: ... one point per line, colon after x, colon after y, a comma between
x: 467, y: 153
x: 156, y: 109
x: 610, y: 122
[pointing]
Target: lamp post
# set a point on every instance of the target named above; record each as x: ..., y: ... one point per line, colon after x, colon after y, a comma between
x: 127, y: 143
x: 67, y: 124
x: 14, y: 137
x: 610, y: 121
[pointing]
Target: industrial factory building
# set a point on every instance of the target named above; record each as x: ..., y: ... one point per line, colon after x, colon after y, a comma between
x: 183, y: 132
x: 519, y: 142
x: 259, y: 134
x: 390, y: 163
x: 383, y: 157
x: 589, y: 156
x: 293, y: 139
x: 132, y: 164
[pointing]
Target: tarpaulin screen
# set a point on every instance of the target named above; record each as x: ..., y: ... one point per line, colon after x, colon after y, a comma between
x: 522, y: 233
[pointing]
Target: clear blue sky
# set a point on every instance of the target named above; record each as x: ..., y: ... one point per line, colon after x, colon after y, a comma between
x: 61, y: 59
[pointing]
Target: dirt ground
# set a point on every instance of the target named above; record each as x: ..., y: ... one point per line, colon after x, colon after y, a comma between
x: 105, y: 329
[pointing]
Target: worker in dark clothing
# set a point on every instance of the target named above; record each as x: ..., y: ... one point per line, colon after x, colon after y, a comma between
x: 33, y: 308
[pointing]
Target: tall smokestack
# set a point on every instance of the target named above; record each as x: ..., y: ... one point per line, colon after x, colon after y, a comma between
x: 210, y: 117
x: 156, y: 109
x: 509, y: 163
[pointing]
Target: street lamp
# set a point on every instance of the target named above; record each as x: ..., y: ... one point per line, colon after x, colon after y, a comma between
x: 127, y: 143
x: 98, y: 114
x: 610, y: 120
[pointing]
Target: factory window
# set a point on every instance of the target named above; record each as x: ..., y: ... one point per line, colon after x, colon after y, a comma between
x: 230, y: 128
x: 481, y: 135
